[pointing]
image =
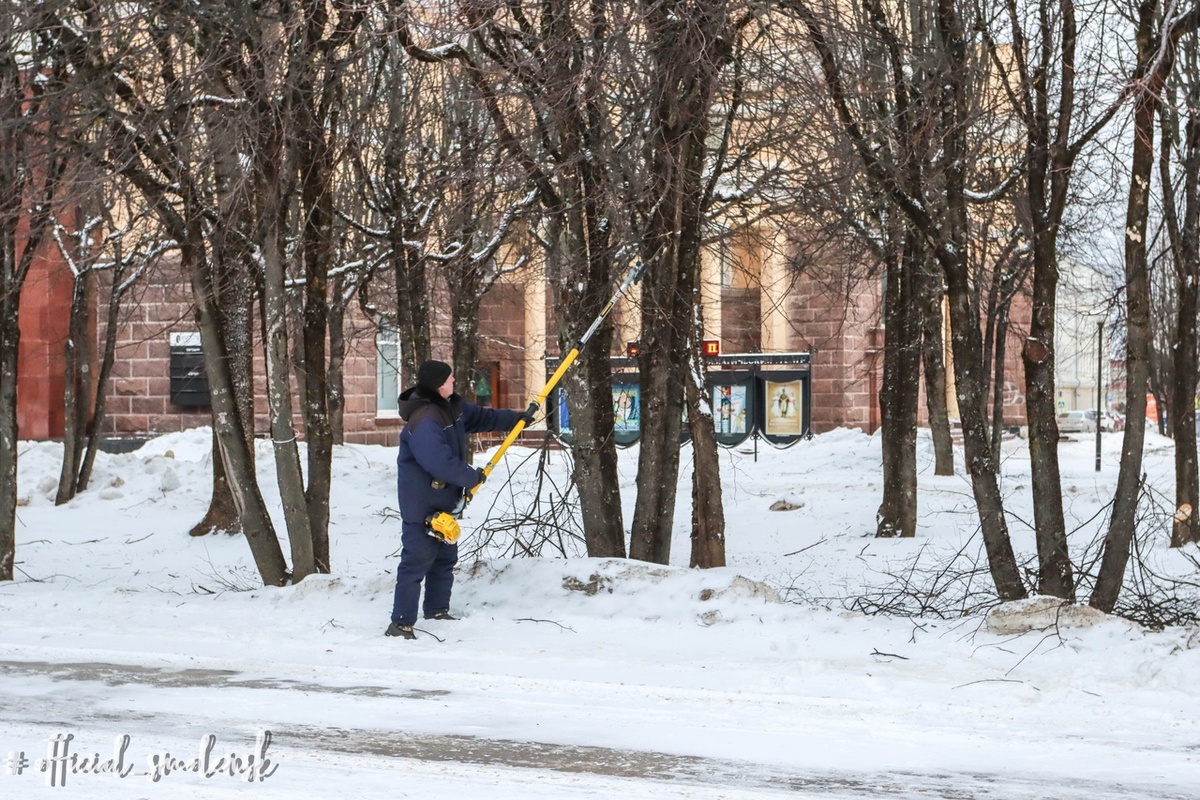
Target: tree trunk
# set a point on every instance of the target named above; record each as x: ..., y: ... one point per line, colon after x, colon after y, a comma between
x: 998, y: 372
x: 1183, y: 425
x: 464, y: 333
x: 16, y: 186
x: 595, y: 474
x: 1055, y: 576
x: 708, y: 511
x: 318, y: 430
x: 966, y: 340
x: 104, y: 372
x: 235, y: 450
x: 1138, y: 331
x: 10, y: 342
x: 337, y: 361
x: 222, y: 512
x: 412, y: 307
x: 981, y: 465
x: 897, y: 515
x: 279, y: 387
x: 583, y: 276
x: 1186, y: 255
x: 934, y: 364
x: 77, y: 356
x: 232, y: 289
x: 687, y: 46
x: 663, y: 352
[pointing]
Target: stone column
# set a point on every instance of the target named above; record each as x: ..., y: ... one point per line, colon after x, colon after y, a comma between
x: 776, y: 284
x: 535, y: 335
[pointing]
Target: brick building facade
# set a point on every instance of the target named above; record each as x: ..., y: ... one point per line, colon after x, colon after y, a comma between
x: 767, y: 309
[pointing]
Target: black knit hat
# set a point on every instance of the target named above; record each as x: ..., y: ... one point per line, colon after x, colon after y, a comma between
x: 432, y: 374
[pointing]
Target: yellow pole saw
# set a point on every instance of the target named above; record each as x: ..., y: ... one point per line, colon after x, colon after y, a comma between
x: 443, y: 525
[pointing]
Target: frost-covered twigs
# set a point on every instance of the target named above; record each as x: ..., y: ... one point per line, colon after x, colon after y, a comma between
x: 1161, y: 584
x: 237, y: 578
x: 542, y: 519
x: 928, y: 585
x: 1153, y: 596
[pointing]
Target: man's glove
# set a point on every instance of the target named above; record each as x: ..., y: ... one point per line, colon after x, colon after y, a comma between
x: 527, y: 417
x: 481, y: 476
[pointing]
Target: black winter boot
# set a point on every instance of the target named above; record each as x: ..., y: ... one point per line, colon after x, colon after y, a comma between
x: 403, y: 631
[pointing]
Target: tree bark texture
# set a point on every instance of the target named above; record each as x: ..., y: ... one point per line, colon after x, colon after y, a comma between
x: 236, y: 450
x: 583, y: 280
x: 10, y: 342
x: 1120, y: 532
x: 897, y: 515
x: 269, y: 234
x: 1055, y: 576
x: 688, y: 45
x: 708, y: 510
x: 77, y: 360
x: 1183, y: 229
x: 933, y: 362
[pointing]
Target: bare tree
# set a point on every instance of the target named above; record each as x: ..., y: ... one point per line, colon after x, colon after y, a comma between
x: 1157, y: 33
x: 35, y: 98
x: 80, y: 250
x: 688, y: 44
x: 1035, y: 52
x: 445, y: 201
x: 158, y: 135
x: 397, y: 184
x: 1179, y: 117
x: 949, y: 238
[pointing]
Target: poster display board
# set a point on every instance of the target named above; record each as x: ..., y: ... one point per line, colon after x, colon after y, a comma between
x: 562, y: 414
x: 732, y: 397
x: 627, y: 410
x: 754, y: 395
x: 784, y: 417
x: 784, y: 406
x: 626, y: 407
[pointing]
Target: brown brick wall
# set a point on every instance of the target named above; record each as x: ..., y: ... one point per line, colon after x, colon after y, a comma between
x: 44, y: 317
x: 741, y: 320
x: 845, y: 342
x: 137, y: 401
x: 838, y: 330
x: 138, y: 394
x: 502, y: 343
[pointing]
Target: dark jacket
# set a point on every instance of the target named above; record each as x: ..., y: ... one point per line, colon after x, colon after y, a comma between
x: 433, y: 446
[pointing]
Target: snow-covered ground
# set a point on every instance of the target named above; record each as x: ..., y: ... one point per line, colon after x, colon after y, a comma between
x: 573, y: 678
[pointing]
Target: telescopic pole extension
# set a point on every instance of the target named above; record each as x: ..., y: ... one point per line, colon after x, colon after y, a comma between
x: 633, y: 277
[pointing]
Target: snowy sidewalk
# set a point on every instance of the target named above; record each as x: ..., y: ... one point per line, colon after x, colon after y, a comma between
x: 313, y: 743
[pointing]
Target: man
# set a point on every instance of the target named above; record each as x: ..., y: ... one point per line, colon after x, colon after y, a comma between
x: 432, y: 476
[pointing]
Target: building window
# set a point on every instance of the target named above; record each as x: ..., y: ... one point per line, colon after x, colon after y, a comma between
x: 725, y: 259
x: 387, y: 373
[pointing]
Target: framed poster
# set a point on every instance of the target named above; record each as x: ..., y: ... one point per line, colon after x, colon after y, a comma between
x: 729, y: 405
x: 627, y: 408
x: 785, y: 408
x: 564, y: 415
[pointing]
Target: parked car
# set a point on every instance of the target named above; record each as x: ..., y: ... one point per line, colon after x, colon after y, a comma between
x: 1077, y: 422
